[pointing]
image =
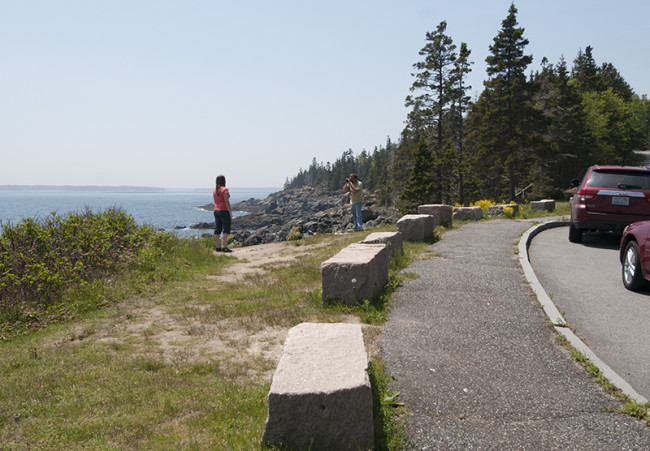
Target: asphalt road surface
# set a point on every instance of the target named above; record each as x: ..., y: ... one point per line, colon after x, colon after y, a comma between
x: 584, y: 282
x: 475, y: 363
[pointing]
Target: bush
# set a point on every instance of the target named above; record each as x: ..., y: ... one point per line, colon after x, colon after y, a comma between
x: 39, y: 260
x: 509, y: 212
x: 294, y: 234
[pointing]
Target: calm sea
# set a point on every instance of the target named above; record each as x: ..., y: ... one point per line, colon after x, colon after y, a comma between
x: 161, y: 208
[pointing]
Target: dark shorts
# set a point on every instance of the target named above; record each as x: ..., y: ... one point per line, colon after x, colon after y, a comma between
x: 221, y: 222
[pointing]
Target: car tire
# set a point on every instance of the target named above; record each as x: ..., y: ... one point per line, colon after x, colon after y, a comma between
x: 575, y: 235
x: 631, y: 268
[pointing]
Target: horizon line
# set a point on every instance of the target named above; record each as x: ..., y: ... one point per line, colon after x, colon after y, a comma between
x: 129, y: 186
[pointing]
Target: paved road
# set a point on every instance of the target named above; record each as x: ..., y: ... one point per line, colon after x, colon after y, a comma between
x: 476, y: 363
x: 584, y: 281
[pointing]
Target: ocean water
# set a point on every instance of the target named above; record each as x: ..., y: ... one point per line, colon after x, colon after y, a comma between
x: 166, y: 209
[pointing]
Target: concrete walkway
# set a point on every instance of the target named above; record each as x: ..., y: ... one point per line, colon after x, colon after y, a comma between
x: 475, y: 359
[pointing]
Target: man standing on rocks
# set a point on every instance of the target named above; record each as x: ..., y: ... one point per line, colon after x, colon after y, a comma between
x: 354, y: 186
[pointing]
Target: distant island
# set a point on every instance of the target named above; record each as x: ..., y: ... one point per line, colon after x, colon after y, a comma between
x: 119, y: 189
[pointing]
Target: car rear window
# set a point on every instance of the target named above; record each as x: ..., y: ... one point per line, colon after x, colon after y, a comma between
x: 619, y: 179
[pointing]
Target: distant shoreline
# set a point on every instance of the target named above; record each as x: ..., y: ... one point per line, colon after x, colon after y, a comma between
x: 120, y: 188
x: 162, y: 208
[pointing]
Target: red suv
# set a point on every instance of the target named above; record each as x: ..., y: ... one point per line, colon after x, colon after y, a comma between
x: 608, y: 199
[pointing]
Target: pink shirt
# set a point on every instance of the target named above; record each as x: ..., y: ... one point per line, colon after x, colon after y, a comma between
x: 219, y: 200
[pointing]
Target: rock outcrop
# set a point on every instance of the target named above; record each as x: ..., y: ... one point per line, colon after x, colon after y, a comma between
x: 300, y: 212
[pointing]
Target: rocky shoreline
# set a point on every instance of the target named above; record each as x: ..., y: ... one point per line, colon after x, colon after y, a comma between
x: 305, y: 211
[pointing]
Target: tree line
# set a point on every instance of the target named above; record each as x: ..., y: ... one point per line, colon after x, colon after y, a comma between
x: 526, y: 134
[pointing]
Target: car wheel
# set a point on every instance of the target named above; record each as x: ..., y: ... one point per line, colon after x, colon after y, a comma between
x: 575, y: 235
x: 631, y: 270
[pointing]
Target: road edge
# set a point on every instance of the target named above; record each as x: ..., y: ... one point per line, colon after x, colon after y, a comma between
x: 557, y: 320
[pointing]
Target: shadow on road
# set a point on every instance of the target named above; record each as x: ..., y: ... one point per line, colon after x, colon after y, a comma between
x: 601, y: 240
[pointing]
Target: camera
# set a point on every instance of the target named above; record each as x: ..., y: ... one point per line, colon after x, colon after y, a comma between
x: 347, y: 180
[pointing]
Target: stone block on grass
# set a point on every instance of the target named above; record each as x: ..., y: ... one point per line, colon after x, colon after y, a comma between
x: 320, y: 397
x: 393, y: 240
x: 545, y: 204
x: 416, y: 227
x: 468, y: 213
x: 442, y: 214
x: 499, y: 210
x: 358, y: 272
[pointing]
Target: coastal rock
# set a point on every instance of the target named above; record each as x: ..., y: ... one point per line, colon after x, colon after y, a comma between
x: 308, y: 211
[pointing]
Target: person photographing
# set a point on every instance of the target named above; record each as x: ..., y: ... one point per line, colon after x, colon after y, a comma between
x: 354, y: 186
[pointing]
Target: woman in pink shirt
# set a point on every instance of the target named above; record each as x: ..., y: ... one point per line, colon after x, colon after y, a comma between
x: 222, y: 214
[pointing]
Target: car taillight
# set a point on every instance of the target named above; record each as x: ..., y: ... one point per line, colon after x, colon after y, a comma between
x: 583, y: 195
x: 647, y: 195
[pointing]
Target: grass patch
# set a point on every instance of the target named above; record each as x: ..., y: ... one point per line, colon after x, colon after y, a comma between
x: 631, y: 407
x: 525, y: 212
x: 167, y: 354
x: 375, y: 311
x: 389, y: 415
x: 95, y: 396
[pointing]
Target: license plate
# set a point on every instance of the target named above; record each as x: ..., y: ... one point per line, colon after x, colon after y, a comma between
x: 618, y: 200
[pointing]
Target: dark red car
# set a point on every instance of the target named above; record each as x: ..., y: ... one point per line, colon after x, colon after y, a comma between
x: 608, y: 199
x: 634, y: 254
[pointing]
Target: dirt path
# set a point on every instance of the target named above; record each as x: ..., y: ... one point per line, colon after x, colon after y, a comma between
x: 185, y: 330
x: 253, y: 260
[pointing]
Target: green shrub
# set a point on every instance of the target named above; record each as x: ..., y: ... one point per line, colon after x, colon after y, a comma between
x: 40, y: 260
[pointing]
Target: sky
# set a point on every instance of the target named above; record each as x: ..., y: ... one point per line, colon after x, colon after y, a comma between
x: 171, y: 93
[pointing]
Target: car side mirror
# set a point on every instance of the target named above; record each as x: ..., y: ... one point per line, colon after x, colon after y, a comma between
x: 575, y: 183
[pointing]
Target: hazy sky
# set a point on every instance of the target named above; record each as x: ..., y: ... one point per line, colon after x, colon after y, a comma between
x: 171, y: 93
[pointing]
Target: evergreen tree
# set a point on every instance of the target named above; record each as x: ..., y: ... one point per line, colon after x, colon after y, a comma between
x: 585, y: 71
x: 611, y: 118
x: 567, y: 144
x: 433, y: 85
x: 611, y: 78
x: 545, y: 129
x: 417, y: 189
x: 506, y: 116
x: 646, y: 134
x: 460, y: 104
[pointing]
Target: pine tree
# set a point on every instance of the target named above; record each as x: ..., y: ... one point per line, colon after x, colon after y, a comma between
x: 505, y: 112
x: 611, y: 78
x: 432, y: 84
x: 566, y: 148
x: 585, y: 71
x: 417, y: 189
x: 460, y: 104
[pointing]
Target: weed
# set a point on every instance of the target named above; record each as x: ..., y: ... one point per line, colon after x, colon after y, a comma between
x: 485, y: 204
x: 526, y: 212
x: 33, y: 352
x: 294, y: 234
x: 151, y: 364
x: 632, y: 408
x: 389, y: 415
x: 509, y: 212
